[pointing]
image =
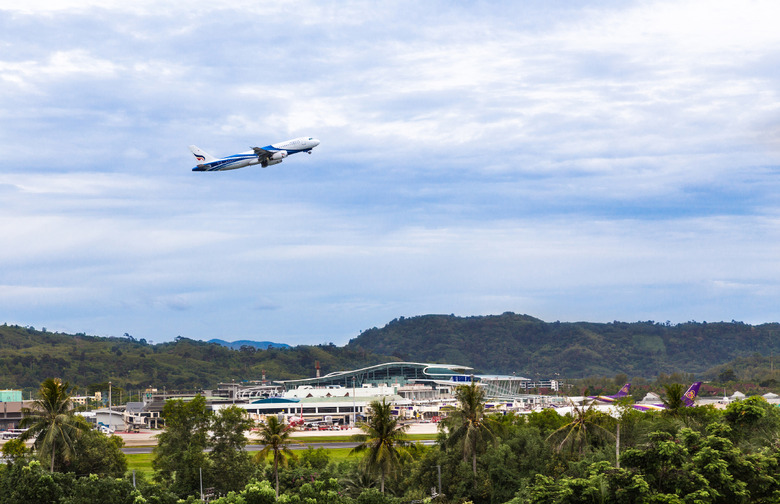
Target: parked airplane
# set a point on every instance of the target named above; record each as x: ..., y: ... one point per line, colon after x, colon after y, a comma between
x: 264, y: 156
x: 623, y: 392
x: 688, y: 399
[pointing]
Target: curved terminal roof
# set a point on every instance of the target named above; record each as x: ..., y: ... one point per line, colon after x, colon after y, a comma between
x: 388, y: 373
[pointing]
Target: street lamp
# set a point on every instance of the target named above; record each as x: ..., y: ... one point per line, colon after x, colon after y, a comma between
x: 354, y: 413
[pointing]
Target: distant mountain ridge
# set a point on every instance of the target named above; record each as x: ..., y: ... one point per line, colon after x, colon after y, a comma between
x: 521, y: 344
x: 260, y: 345
x: 29, y: 356
x: 494, y: 344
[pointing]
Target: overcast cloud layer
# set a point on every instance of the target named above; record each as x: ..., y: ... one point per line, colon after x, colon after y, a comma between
x: 609, y: 161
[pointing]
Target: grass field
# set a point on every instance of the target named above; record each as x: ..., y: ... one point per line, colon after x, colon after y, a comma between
x: 142, y: 462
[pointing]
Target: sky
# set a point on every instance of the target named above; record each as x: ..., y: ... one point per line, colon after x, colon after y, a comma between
x: 573, y: 161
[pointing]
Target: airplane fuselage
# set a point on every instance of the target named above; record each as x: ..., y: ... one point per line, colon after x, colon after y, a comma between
x: 263, y: 156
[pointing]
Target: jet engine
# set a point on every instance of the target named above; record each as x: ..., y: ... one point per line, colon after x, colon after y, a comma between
x: 270, y: 161
x: 275, y: 158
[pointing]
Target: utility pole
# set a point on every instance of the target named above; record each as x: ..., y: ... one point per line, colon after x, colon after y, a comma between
x: 354, y: 412
x: 110, y: 412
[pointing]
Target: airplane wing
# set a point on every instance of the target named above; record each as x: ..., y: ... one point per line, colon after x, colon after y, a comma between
x: 262, y: 154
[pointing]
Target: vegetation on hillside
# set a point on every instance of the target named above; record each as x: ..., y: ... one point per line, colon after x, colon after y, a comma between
x: 27, y: 356
x: 526, y: 345
x: 728, y: 353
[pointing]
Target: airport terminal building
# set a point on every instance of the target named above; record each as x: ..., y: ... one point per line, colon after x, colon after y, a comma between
x: 395, y: 374
x: 414, y: 380
x: 415, y: 389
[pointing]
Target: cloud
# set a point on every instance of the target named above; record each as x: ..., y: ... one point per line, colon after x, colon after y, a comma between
x: 593, y: 162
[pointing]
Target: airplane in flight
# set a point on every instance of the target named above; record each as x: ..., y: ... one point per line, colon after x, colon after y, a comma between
x: 264, y: 156
x: 688, y: 399
x: 623, y: 392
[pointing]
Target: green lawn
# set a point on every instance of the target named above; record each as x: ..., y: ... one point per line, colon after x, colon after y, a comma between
x: 141, y: 462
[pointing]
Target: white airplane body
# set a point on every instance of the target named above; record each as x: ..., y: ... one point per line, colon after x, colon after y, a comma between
x: 264, y: 156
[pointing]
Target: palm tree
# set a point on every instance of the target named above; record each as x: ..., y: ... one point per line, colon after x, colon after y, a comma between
x: 586, y: 422
x: 51, y: 421
x: 355, y: 483
x: 383, y: 438
x: 674, y: 398
x: 275, y: 436
x: 469, y: 423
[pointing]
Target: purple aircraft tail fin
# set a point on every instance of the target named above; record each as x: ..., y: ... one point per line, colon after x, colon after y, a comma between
x: 623, y: 392
x: 690, y: 395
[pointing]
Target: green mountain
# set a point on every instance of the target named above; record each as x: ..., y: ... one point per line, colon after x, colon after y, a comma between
x: 527, y: 346
x: 496, y: 344
x: 28, y: 356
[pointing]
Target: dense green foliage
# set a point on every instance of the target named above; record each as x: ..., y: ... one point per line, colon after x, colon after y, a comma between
x: 727, y: 352
x: 696, y: 455
x: 228, y: 438
x: 519, y: 343
x: 96, y: 453
x: 27, y: 356
x: 179, y: 457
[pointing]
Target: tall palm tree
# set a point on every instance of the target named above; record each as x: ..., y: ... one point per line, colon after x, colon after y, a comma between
x: 275, y: 436
x: 383, y: 439
x: 468, y: 423
x: 50, y: 420
x: 585, y: 424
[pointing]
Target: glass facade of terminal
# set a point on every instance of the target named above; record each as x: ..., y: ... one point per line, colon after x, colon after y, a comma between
x: 389, y: 373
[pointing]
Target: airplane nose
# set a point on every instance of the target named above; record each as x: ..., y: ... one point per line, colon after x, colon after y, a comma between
x: 316, y: 142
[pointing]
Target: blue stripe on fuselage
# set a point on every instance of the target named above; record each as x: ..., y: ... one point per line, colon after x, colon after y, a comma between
x: 222, y: 164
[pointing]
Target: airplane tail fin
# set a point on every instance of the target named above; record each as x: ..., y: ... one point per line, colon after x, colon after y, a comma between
x: 623, y: 392
x: 201, y: 155
x: 690, y: 395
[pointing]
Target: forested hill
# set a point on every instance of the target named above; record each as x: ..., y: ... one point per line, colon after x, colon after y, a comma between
x: 501, y: 344
x: 528, y: 346
x: 28, y: 356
